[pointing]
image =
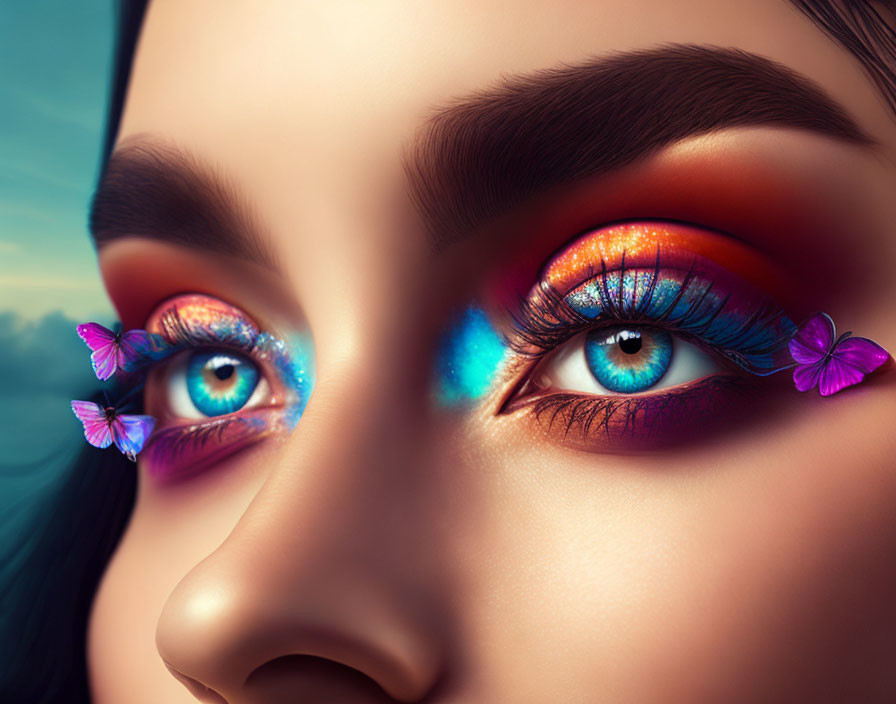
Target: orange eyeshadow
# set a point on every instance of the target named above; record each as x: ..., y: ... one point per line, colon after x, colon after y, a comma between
x: 638, y: 244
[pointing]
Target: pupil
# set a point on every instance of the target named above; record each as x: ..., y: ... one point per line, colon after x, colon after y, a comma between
x: 225, y: 371
x: 630, y: 345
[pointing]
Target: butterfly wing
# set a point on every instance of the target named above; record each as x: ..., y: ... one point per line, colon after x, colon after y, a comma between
x: 95, y: 335
x: 850, y: 361
x: 861, y: 353
x: 101, y: 341
x: 806, y: 376
x: 131, y: 431
x: 137, y: 347
x: 813, y: 340
x: 93, y: 418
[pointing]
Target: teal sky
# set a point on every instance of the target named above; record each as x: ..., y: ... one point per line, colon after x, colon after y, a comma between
x: 55, y: 57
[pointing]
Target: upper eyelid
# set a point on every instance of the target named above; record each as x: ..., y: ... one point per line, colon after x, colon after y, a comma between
x: 287, y: 363
x: 608, y: 322
x: 645, y: 242
x: 547, y: 319
x: 189, y: 339
x: 168, y: 319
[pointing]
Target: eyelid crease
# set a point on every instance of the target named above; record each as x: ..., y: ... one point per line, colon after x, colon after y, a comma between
x: 643, y: 242
x: 196, y: 319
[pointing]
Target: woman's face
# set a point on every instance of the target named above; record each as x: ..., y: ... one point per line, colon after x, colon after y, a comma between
x: 479, y: 503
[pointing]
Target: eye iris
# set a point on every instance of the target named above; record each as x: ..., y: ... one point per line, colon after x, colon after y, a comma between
x: 220, y: 383
x: 630, y: 359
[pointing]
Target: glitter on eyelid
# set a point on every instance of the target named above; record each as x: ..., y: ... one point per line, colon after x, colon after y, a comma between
x: 200, y: 324
x: 294, y: 362
x: 637, y: 244
x: 216, y: 321
x: 469, y: 357
x: 719, y: 309
x: 202, y: 318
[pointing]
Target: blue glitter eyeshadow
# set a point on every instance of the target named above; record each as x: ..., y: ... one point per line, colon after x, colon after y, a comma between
x: 469, y: 357
x: 294, y: 362
x: 752, y: 337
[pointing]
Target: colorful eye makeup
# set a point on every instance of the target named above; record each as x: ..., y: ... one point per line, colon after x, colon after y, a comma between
x: 469, y: 357
x: 225, y: 385
x: 637, y: 335
x: 636, y: 245
x: 637, y: 326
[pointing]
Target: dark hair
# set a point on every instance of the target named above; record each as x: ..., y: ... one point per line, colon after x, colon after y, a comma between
x: 130, y: 19
x: 860, y: 28
x: 52, y: 562
x: 50, y: 572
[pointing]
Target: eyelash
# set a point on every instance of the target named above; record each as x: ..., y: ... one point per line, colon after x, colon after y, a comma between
x: 595, y: 415
x: 543, y: 322
x: 214, y: 438
x: 546, y: 320
x: 171, y: 444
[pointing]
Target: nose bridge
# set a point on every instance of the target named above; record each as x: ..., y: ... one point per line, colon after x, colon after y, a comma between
x: 332, y: 558
x: 349, y: 480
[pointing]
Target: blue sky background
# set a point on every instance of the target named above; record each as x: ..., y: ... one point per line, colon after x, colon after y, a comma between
x: 55, y: 58
x: 54, y: 62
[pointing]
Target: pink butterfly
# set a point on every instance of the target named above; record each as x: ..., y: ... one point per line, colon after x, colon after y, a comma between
x: 119, y: 350
x: 103, y: 426
x: 831, y: 364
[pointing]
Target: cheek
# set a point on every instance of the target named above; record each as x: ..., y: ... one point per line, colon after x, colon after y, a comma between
x: 171, y: 530
x: 760, y: 570
x: 776, y: 572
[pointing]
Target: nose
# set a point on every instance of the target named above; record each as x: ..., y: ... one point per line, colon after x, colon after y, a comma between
x: 327, y: 589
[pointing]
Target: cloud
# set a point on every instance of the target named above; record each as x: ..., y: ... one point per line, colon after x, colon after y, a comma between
x: 45, y: 356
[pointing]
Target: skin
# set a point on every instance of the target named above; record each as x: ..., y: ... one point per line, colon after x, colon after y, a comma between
x: 467, y: 556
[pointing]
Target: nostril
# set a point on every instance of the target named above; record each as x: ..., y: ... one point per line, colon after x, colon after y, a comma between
x: 204, y: 694
x: 319, y: 679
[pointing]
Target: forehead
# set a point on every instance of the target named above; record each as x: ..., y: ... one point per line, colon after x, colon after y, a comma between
x: 343, y: 78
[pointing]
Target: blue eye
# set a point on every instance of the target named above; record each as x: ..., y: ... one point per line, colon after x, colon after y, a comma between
x: 628, y: 359
x: 220, y: 383
x: 623, y: 360
x: 216, y: 383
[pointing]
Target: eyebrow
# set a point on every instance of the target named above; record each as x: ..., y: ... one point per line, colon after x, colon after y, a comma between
x: 488, y: 152
x: 482, y: 155
x: 154, y: 190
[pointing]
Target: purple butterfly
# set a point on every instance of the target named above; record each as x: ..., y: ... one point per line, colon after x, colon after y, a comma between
x: 119, y: 350
x: 831, y: 364
x: 103, y: 426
